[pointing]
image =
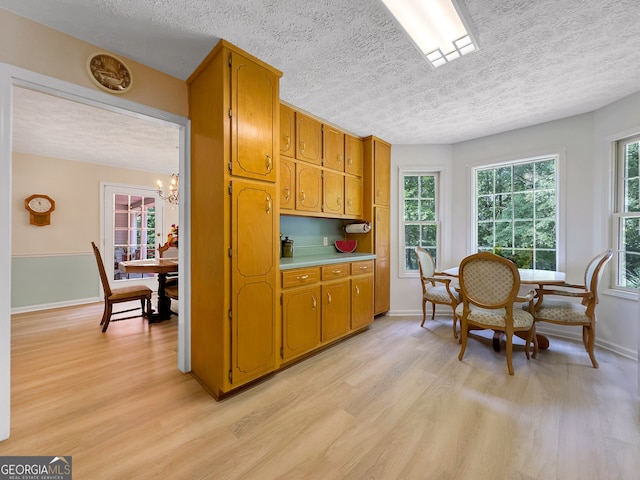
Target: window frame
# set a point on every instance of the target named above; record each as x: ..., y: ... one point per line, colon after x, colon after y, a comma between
x: 559, y: 210
x: 107, y: 226
x: 619, y: 215
x: 412, y: 172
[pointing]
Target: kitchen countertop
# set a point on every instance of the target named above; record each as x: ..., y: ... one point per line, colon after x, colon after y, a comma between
x: 288, y: 263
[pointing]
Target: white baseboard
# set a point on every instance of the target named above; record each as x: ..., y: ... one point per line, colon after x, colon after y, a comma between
x: 49, y: 306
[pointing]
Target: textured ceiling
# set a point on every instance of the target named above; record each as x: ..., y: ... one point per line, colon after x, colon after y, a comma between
x: 349, y: 63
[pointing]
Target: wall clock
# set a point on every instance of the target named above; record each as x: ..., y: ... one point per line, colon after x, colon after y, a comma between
x: 40, y: 207
x: 109, y: 73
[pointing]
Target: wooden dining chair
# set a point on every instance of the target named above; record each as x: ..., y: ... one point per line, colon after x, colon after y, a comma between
x: 489, y: 287
x: 563, y: 311
x: 436, y: 288
x: 120, y: 295
x: 169, y: 250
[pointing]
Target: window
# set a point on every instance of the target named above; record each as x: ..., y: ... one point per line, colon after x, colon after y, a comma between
x: 516, y: 211
x: 419, y: 217
x: 627, y: 227
x: 132, y: 216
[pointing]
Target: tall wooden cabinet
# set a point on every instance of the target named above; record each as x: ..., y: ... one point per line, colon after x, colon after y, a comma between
x: 376, y: 203
x: 235, y: 307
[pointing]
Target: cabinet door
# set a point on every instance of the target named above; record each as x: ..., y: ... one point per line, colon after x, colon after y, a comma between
x: 308, y: 139
x: 335, y: 309
x: 353, y: 154
x: 254, y: 273
x: 333, y: 192
x: 382, y: 173
x: 361, y: 301
x: 287, y: 131
x: 353, y: 195
x: 300, y: 321
x: 287, y: 183
x: 382, y: 267
x: 308, y: 188
x: 255, y: 110
x: 333, y: 148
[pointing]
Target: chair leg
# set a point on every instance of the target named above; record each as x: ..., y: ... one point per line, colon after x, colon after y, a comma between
x: 590, y: 332
x: 148, y: 314
x: 424, y: 311
x: 104, y: 312
x: 107, y: 313
x: 463, y: 338
x: 455, y: 322
x: 433, y: 310
x: 509, y: 352
x: 142, y: 300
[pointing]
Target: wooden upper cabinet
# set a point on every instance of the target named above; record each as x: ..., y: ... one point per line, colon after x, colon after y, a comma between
x: 353, y: 196
x: 381, y: 173
x: 333, y: 192
x: 287, y: 131
x: 308, y: 188
x: 308, y: 139
x: 333, y: 148
x: 353, y: 154
x: 287, y: 183
x: 255, y: 111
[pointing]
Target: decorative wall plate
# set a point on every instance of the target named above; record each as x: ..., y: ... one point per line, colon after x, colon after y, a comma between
x: 109, y: 73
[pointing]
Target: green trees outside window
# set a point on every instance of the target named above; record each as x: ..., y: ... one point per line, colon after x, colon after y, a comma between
x: 516, y: 214
x: 420, y: 216
x: 628, y: 216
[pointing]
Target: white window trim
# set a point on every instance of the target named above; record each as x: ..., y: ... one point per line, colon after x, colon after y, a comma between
x: 560, y: 156
x: 617, y: 195
x: 107, y: 189
x: 402, y: 172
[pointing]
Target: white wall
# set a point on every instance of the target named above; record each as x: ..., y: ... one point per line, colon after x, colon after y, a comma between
x: 586, y: 185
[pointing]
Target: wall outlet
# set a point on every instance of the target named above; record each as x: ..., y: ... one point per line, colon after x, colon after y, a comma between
x: 325, y: 241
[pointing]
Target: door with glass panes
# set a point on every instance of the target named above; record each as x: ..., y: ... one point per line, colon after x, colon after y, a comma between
x: 132, y: 217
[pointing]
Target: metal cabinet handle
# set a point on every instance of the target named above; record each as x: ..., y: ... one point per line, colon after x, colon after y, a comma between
x: 363, y: 267
x: 328, y: 297
x: 357, y: 290
x: 302, y: 146
x: 287, y: 193
x: 313, y: 297
x: 268, y: 204
x: 302, y: 277
x: 350, y: 161
x: 335, y: 272
x: 288, y: 144
x: 302, y: 196
x: 339, y: 201
x: 269, y: 164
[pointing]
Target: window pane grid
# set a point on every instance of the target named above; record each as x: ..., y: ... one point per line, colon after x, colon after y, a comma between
x: 133, y: 232
x: 516, y: 212
x: 420, y: 207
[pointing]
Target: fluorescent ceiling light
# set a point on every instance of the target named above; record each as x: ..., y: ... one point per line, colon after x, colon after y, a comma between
x: 439, y: 28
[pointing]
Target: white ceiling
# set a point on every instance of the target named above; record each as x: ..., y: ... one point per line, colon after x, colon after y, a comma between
x: 349, y: 63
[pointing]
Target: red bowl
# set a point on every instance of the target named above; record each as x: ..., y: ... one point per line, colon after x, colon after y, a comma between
x: 346, y: 246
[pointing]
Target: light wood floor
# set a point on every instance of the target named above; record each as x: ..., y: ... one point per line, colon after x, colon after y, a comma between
x: 391, y: 403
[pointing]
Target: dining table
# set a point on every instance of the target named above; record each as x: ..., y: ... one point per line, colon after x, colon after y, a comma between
x: 162, y: 267
x: 528, y: 276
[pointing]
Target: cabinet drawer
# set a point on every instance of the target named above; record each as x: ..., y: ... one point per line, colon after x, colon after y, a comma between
x: 300, y: 276
x: 337, y: 270
x: 360, y: 268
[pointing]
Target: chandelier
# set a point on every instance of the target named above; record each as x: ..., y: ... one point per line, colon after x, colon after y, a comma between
x: 172, y: 195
